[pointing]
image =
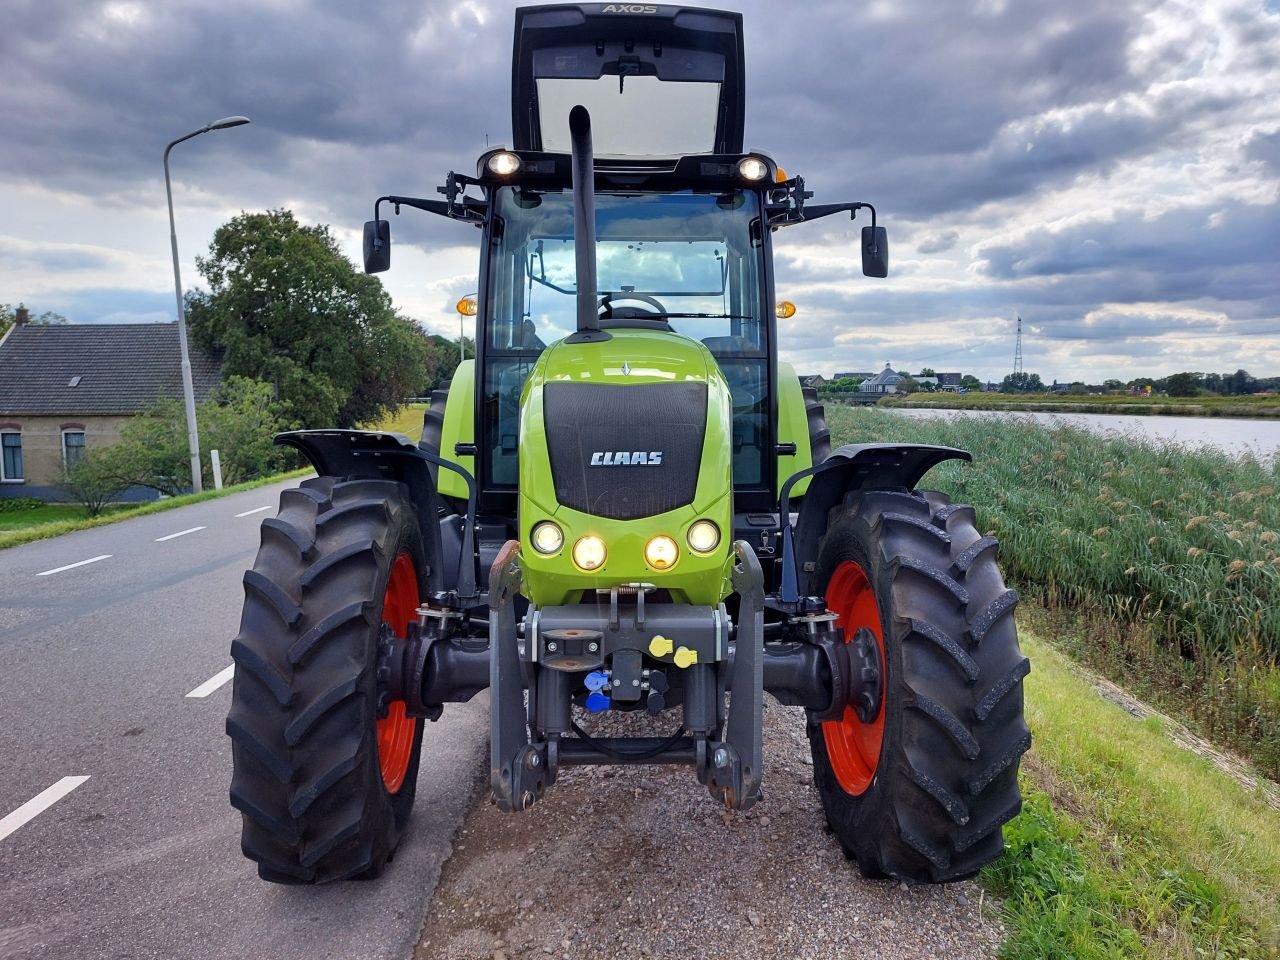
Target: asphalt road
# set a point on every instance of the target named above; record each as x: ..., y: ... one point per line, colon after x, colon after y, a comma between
x: 142, y: 858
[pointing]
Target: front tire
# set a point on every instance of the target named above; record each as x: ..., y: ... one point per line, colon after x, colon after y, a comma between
x: 922, y: 790
x: 323, y: 774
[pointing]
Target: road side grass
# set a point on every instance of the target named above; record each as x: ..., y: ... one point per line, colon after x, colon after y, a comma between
x: 1167, y: 559
x: 1205, y: 406
x: 58, y: 519
x: 1128, y: 844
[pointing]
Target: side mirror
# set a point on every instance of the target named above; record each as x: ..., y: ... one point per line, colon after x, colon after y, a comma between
x: 377, y: 246
x: 875, y: 251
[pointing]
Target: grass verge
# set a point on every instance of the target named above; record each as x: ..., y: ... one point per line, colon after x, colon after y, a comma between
x: 1129, y: 844
x: 57, y: 526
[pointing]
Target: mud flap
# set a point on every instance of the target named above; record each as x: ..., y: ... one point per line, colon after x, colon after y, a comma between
x: 733, y: 770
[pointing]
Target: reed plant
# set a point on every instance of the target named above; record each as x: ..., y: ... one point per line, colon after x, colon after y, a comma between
x: 1166, y: 560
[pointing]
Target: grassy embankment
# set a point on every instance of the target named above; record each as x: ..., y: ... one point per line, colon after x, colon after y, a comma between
x: 1161, y: 567
x: 1124, y: 405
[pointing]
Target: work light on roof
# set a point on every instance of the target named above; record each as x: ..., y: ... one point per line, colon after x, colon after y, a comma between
x: 752, y: 169
x: 503, y: 164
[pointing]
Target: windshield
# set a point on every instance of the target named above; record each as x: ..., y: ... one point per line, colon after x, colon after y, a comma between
x: 684, y: 257
x: 644, y: 118
x: 687, y: 260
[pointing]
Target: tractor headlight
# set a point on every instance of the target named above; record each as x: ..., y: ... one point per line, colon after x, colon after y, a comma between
x: 661, y: 552
x: 703, y: 536
x: 547, y: 538
x: 752, y: 169
x: 589, y: 553
x: 503, y: 164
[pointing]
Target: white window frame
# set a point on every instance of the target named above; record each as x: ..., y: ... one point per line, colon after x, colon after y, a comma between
x: 83, y: 447
x: 4, y: 477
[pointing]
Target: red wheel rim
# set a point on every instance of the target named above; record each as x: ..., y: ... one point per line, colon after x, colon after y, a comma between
x: 853, y: 747
x: 396, y: 731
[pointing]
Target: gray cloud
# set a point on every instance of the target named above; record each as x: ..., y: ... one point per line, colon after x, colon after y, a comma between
x: 959, y: 121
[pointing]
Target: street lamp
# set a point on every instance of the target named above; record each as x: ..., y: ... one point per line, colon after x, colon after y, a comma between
x: 188, y: 389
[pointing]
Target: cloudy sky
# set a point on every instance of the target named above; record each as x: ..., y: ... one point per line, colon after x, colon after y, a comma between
x: 1107, y: 169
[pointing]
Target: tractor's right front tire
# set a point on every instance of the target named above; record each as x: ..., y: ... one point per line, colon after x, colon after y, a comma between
x: 323, y: 773
x: 921, y: 790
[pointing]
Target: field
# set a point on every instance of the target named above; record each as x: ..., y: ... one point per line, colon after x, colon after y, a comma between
x: 1160, y: 567
x: 1239, y: 406
x: 406, y: 420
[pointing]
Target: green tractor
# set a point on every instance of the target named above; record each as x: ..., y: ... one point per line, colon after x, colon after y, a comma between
x: 625, y: 502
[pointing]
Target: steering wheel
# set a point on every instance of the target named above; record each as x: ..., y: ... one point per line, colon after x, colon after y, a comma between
x: 608, y: 312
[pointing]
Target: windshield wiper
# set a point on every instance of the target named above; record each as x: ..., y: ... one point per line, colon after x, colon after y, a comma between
x: 706, y: 316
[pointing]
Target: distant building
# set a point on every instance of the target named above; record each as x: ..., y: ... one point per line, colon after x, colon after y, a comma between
x: 812, y: 380
x: 67, y: 388
x: 886, y: 381
x: 949, y: 381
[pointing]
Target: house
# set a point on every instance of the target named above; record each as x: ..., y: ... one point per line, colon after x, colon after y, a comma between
x: 949, y: 381
x: 886, y: 381
x: 70, y: 387
x: 812, y: 380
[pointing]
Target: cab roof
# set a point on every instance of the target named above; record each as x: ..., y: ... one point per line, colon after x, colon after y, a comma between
x: 658, y: 80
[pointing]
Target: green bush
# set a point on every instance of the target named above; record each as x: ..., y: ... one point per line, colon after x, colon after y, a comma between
x: 19, y: 504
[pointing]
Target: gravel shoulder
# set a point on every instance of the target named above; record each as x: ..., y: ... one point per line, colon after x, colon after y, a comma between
x: 642, y: 862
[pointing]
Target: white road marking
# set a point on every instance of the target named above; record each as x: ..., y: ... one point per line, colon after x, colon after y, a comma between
x: 180, y: 533
x: 38, y: 804
x: 254, y: 510
x: 213, y: 683
x: 72, y: 566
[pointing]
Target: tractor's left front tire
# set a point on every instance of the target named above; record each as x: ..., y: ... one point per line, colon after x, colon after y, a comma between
x: 324, y: 773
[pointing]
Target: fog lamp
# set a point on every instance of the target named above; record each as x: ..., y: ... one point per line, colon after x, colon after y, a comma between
x: 589, y: 553
x: 547, y: 538
x: 703, y: 536
x: 503, y: 164
x: 661, y: 552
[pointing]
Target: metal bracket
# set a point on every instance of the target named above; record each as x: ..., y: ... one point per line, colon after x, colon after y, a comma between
x: 518, y: 771
x: 734, y: 771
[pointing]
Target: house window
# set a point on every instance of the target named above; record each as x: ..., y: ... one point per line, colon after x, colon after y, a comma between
x: 11, y: 459
x: 72, y: 447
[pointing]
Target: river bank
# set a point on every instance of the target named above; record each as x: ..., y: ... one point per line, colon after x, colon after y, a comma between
x: 1248, y: 407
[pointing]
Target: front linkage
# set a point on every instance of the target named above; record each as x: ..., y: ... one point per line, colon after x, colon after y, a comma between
x: 532, y: 665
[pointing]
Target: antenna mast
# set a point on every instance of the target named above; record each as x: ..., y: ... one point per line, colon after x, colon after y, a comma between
x: 1017, y: 352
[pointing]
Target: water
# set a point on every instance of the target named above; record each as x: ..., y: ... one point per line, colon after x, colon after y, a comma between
x: 1234, y: 435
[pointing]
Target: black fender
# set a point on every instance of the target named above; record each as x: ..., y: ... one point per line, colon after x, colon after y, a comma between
x: 376, y: 455
x: 855, y: 466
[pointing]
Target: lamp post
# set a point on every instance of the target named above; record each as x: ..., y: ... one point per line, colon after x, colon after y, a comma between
x: 188, y: 388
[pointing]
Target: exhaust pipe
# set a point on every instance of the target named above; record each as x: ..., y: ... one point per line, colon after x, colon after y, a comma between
x: 584, y: 227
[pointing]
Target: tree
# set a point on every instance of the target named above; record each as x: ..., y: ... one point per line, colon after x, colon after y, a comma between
x: 240, y: 421
x: 1181, y: 385
x: 1022, y: 383
x: 96, y: 479
x: 288, y: 308
x: 970, y: 382
x: 1113, y: 384
x: 441, y: 359
x: 926, y: 372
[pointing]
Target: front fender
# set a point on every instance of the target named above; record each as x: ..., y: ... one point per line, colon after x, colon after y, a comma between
x: 375, y: 455
x: 855, y: 466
